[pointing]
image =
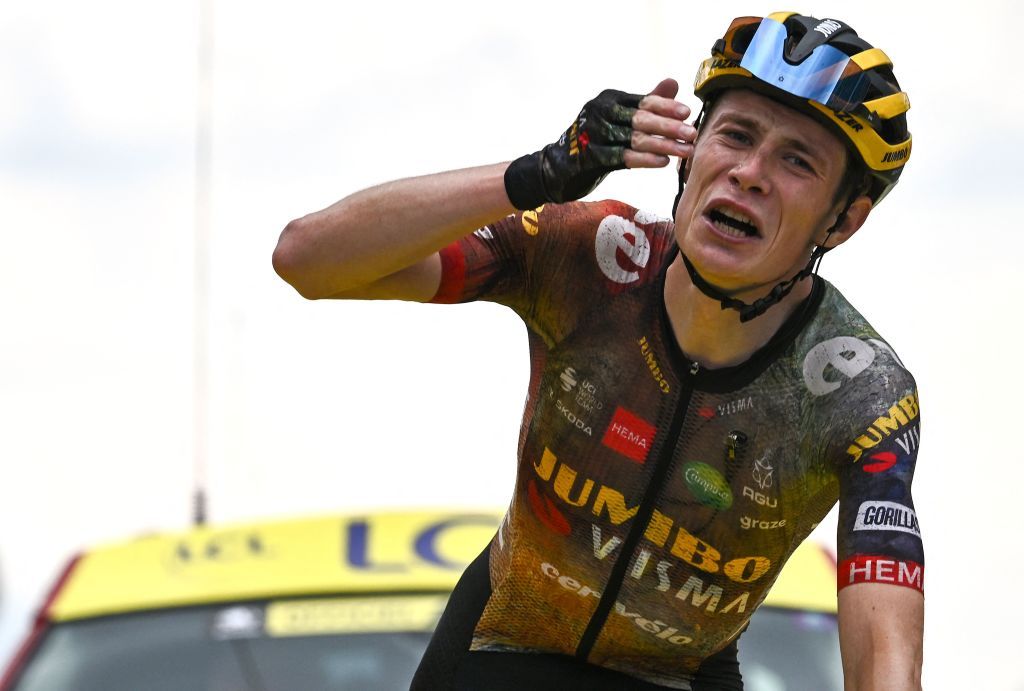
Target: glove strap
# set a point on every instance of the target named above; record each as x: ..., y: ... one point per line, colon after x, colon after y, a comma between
x: 524, y: 182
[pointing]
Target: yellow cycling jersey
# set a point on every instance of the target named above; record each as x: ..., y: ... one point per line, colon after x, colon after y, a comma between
x: 656, y: 501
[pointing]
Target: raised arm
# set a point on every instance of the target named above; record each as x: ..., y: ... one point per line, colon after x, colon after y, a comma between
x: 881, y: 633
x: 391, y: 230
x: 383, y: 242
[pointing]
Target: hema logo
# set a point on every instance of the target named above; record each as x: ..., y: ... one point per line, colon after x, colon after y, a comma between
x: 881, y: 569
x: 630, y: 435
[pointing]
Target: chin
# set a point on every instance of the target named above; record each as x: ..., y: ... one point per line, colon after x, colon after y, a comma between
x: 722, y: 271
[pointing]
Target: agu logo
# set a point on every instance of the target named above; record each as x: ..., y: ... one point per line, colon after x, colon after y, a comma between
x: 622, y: 249
x: 763, y: 472
x: 708, y: 485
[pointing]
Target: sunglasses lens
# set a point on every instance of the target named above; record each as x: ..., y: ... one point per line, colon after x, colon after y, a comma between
x: 827, y: 75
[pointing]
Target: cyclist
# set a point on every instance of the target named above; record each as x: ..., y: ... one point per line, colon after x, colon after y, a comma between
x: 699, y: 397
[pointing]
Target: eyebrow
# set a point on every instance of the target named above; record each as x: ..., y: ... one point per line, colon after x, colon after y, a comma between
x: 793, y: 143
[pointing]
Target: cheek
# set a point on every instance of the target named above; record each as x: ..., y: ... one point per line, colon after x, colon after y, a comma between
x: 797, y: 233
x: 686, y: 211
x: 694, y: 184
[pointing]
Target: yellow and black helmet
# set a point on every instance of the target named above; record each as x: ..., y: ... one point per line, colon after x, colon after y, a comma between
x: 823, y: 68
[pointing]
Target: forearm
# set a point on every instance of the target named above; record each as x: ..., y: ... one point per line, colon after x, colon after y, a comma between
x: 384, y: 229
x: 881, y: 633
x: 347, y: 248
x: 884, y: 670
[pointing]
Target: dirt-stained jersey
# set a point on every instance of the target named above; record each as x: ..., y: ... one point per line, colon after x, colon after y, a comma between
x: 656, y: 501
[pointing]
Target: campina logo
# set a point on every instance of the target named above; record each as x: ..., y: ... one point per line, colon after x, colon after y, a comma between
x: 708, y: 485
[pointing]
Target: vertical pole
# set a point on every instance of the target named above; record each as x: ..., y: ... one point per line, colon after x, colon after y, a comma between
x: 201, y: 269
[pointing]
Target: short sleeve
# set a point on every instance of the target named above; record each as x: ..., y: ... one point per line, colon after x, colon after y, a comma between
x: 555, y: 263
x: 879, y: 537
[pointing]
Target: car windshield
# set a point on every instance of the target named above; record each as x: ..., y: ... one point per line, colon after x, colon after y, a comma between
x: 317, y: 646
x: 791, y: 650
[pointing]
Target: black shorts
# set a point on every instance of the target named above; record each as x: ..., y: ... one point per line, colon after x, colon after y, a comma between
x: 449, y: 665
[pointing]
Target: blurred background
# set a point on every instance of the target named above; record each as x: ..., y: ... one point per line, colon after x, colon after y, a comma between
x: 148, y: 346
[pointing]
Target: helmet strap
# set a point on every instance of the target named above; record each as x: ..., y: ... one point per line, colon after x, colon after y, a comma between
x: 758, y: 307
x: 682, y: 164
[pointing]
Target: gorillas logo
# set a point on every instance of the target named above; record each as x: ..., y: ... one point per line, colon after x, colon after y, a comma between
x: 622, y: 249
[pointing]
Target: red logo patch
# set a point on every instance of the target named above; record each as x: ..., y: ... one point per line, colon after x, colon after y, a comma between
x: 883, y: 460
x: 546, y: 511
x: 629, y: 435
x: 707, y: 412
x: 878, y: 569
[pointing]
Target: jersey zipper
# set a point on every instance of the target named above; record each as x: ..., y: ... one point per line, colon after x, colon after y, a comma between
x: 611, y: 591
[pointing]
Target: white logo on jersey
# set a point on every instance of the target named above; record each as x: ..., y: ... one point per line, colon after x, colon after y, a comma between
x: 846, y: 354
x: 763, y: 471
x: 568, y: 378
x: 649, y: 217
x: 887, y: 515
x: 614, y: 234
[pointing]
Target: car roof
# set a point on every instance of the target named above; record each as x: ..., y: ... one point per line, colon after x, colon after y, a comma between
x: 373, y: 552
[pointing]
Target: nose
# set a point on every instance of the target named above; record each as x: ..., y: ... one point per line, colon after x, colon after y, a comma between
x: 750, y: 173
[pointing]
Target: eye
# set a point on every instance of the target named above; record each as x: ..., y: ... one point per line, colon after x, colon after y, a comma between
x: 800, y: 162
x: 737, y: 136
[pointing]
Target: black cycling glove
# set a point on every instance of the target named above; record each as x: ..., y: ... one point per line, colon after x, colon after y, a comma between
x: 593, y: 146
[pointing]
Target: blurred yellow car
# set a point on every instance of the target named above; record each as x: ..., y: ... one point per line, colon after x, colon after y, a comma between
x: 329, y: 604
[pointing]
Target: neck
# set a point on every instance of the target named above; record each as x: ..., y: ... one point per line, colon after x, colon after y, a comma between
x: 715, y: 337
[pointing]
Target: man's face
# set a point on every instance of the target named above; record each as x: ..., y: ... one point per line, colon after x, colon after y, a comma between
x: 760, y: 192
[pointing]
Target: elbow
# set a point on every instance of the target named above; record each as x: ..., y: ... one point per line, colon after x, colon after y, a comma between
x: 289, y: 259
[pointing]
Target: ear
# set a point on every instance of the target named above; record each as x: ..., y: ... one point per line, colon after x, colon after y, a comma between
x: 849, y: 223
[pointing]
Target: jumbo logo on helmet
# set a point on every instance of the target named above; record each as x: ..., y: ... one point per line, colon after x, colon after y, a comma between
x: 896, y: 156
x: 828, y: 27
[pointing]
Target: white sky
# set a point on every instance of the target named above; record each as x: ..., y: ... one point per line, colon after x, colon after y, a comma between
x: 325, y: 406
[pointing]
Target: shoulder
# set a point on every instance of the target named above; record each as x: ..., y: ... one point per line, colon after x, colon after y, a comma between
x: 854, y: 375
x: 623, y: 243
x: 840, y: 351
x: 583, y: 216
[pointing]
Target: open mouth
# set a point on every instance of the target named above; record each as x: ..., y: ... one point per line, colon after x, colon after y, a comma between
x: 733, y: 223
